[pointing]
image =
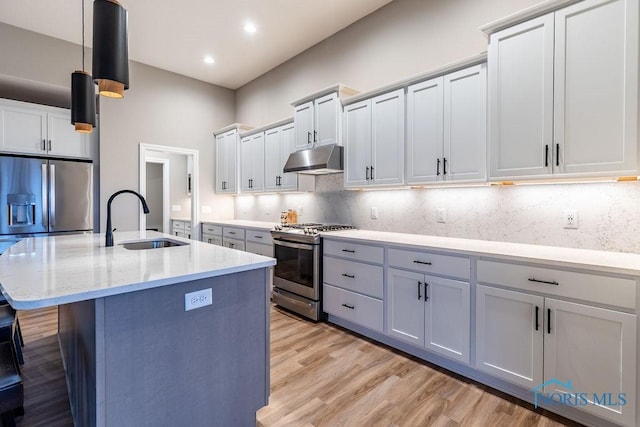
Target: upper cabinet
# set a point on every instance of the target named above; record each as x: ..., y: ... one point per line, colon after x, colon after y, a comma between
x: 279, y: 142
x: 227, y: 142
x: 317, y: 118
x: 374, y: 139
x: 252, y: 163
x: 563, y: 93
x: 35, y: 129
x: 446, y: 128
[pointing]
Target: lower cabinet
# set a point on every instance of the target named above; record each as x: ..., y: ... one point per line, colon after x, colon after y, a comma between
x: 259, y: 249
x: 212, y: 239
x: 181, y: 228
x: 233, y: 243
x: 354, y: 307
x: 557, y: 346
x: 429, y: 311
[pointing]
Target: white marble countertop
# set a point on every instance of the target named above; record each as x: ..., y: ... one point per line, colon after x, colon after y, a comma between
x: 259, y: 225
x: 46, y: 271
x: 602, y: 261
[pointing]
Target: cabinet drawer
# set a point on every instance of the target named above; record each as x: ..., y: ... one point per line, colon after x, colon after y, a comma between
x: 233, y: 233
x: 233, y: 243
x: 430, y: 263
x: 584, y: 286
x: 356, y: 308
x: 354, y: 276
x: 177, y: 225
x: 259, y: 236
x: 212, y: 239
x: 212, y: 229
x: 259, y: 248
x: 355, y: 251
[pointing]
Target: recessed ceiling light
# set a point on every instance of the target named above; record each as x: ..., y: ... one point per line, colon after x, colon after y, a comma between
x: 208, y: 60
x: 249, y: 27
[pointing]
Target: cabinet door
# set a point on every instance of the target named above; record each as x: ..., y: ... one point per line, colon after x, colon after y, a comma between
x: 272, y: 159
x: 246, y: 167
x: 231, y: 155
x: 257, y: 161
x: 465, y: 129
x: 596, y: 87
x: 288, y: 181
x: 22, y: 130
x: 62, y: 138
x: 521, y: 99
x: 303, y: 120
x: 424, y: 131
x: 594, y: 349
x: 447, y: 321
x: 357, y: 133
x: 326, y: 118
x: 387, y: 135
x: 405, y: 305
x: 233, y: 243
x: 220, y: 163
x: 508, y: 340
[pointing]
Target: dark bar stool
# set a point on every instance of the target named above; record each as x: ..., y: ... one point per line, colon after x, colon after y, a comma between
x: 11, y: 389
x: 9, y: 330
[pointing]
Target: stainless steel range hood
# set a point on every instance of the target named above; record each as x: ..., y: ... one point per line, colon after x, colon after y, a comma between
x: 317, y: 161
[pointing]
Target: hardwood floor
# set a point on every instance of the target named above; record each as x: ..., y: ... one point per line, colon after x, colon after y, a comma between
x: 321, y: 375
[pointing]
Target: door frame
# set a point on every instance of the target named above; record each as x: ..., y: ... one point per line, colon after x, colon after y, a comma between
x: 166, y: 170
x: 147, y: 152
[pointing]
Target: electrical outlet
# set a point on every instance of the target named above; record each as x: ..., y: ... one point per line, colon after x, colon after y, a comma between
x: 206, y: 209
x: 197, y: 299
x: 300, y: 210
x: 176, y: 208
x: 441, y: 215
x: 570, y: 218
x: 374, y: 213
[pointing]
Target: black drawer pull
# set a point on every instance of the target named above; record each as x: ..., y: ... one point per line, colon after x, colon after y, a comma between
x: 231, y: 232
x: 422, y: 262
x: 349, y: 306
x: 258, y: 237
x: 533, y: 279
x: 349, y: 251
x: 348, y: 275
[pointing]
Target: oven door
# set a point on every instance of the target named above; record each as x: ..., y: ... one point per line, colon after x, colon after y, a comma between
x: 298, y: 268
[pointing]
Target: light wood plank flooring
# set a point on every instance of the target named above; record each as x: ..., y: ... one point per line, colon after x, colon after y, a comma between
x: 321, y: 375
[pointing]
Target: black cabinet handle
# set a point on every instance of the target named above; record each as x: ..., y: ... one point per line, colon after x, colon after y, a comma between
x: 231, y: 232
x: 548, y: 320
x: 367, y: 173
x: 348, y: 275
x: 537, y: 314
x: 315, y: 136
x: 372, y: 173
x: 419, y: 294
x: 349, y: 250
x: 44, y: 145
x: 557, y: 154
x: 438, y: 167
x: 426, y: 291
x: 351, y: 307
x: 49, y: 145
x: 546, y: 156
x: 444, y: 165
x: 547, y: 282
x: 258, y: 237
x: 422, y: 262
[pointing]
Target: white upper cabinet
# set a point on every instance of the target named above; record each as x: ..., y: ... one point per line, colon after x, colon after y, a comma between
x: 317, y: 121
x: 374, y: 139
x: 303, y: 119
x: 446, y: 128
x: 32, y: 129
x: 563, y: 93
x: 252, y: 163
x: 226, y: 161
x: 278, y: 144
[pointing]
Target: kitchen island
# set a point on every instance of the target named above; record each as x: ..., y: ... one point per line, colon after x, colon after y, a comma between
x: 133, y: 354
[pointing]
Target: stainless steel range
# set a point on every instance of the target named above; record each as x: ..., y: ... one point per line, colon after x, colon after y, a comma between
x: 297, y: 278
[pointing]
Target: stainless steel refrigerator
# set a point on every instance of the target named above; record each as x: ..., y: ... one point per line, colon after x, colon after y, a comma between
x: 45, y: 195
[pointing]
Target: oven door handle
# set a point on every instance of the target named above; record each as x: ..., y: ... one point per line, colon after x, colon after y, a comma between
x: 292, y: 244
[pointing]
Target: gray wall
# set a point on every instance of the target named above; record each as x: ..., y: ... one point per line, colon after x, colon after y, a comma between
x: 161, y: 108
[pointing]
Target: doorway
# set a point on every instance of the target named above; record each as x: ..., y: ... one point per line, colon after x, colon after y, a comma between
x: 157, y: 194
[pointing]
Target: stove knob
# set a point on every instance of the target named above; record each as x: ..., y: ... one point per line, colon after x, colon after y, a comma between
x: 277, y: 227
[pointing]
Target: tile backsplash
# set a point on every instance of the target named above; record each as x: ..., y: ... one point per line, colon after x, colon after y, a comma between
x: 608, y: 212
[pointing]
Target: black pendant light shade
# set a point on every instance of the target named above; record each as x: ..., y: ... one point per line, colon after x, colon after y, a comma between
x: 110, y: 48
x: 83, y: 102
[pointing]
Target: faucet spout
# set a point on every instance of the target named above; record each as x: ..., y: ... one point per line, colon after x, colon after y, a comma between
x: 109, y: 234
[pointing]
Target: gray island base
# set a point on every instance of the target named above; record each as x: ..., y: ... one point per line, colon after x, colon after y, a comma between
x: 140, y: 359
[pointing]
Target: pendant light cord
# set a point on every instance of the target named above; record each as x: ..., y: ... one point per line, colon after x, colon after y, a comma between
x: 82, y: 1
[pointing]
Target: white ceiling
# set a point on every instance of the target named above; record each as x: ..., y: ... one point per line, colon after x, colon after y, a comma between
x: 176, y: 36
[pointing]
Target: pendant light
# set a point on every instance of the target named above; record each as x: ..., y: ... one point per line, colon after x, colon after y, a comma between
x: 110, y: 48
x: 83, y: 95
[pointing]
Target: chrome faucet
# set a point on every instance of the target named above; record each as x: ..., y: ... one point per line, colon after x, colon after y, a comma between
x: 109, y: 235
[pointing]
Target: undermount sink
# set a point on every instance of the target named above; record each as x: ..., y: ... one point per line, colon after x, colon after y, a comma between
x: 152, y: 244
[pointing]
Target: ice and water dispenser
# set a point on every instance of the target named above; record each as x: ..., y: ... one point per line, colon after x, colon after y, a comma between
x: 21, y: 209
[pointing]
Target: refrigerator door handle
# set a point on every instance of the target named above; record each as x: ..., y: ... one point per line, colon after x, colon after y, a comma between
x: 52, y: 203
x: 45, y: 195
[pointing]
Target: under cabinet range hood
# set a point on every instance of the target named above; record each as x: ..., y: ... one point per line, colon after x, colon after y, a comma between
x: 316, y: 161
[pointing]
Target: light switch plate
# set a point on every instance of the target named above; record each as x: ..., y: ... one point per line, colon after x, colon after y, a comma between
x: 441, y: 215
x: 197, y: 299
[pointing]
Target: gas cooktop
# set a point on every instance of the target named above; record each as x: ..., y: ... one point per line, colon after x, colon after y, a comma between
x: 306, y: 232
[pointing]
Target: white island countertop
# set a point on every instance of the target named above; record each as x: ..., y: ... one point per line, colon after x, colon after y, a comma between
x: 258, y: 225
x: 47, y: 271
x: 601, y: 261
